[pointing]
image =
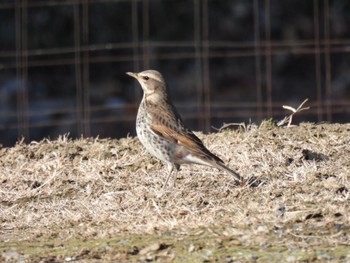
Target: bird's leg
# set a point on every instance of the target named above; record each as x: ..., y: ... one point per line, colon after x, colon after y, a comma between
x: 171, y: 168
x: 177, y: 167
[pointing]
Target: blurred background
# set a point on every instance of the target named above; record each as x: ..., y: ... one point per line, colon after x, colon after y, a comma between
x: 63, y: 62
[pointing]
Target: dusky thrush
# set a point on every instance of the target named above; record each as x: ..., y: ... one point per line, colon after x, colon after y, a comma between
x: 160, y: 129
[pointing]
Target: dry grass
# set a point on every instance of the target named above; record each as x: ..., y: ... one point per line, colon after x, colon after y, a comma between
x: 100, y: 188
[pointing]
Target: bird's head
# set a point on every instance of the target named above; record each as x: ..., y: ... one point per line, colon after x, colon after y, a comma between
x: 152, y: 83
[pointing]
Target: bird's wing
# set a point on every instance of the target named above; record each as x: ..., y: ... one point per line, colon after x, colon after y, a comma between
x: 187, y: 139
x: 180, y: 135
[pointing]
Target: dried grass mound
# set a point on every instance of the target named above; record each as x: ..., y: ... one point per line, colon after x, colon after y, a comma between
x: 103, y: 187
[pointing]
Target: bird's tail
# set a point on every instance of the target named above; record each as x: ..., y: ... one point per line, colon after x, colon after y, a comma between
x: 223, y: 167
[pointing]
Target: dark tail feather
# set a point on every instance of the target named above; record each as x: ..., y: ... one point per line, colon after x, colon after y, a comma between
x: 221, y: 166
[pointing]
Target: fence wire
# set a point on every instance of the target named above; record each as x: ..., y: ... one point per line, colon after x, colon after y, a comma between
x: 203, y: 107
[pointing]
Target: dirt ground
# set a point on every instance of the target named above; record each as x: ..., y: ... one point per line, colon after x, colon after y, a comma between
x: 101, y: 200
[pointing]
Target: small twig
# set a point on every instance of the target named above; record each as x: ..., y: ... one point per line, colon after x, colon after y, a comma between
x: 289, y: 119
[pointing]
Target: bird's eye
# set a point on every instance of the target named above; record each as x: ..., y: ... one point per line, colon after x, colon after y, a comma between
x: 145, y: 78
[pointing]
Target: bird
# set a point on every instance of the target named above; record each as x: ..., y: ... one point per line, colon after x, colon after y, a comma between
x: 162, y: 132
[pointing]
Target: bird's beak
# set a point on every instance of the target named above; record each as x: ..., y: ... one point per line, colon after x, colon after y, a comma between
x: 134, y: 75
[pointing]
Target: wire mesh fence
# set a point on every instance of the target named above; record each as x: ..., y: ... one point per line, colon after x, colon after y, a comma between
x: 63, y: 62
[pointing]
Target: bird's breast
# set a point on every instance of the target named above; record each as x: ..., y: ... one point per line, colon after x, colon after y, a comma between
x: 151, y: 141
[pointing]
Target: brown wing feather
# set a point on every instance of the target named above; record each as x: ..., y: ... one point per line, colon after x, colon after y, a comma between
x: 174, y: 136
x: 180, y: 135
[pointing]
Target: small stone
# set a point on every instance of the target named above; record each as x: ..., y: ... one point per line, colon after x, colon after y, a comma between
x: 150, y: 248
x: 290, y: 259
x: 191, y: 248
